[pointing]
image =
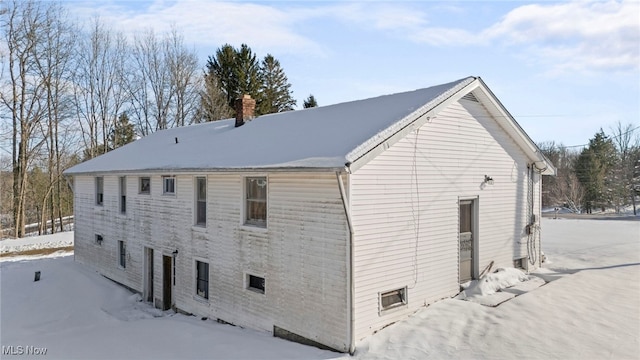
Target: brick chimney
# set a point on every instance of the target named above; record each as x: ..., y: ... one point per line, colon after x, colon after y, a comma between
x: 244, y: 106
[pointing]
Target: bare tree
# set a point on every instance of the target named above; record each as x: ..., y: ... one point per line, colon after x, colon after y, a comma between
x: 53, y: 64
x: 564, y: 189
x: 166, y: 84
x: 151, y: 85
x: 185, y: 76
x: 213, y: 105
x: 23, y: 26
x: 100, y: 91
x: 627, y: 143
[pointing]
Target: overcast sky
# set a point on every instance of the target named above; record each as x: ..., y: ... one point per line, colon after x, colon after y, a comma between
x: 563, y: 69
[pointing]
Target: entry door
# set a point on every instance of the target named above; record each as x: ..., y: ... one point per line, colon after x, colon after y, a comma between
x: 148, y: 274
x: 467, y: 240
x: 166, y: 282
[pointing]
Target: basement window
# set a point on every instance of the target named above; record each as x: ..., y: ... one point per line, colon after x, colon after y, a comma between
x: 255, y: 283
x: 122, y: 254
x: 520, y: 263
x: 393, y: 299
x: 202, y: 279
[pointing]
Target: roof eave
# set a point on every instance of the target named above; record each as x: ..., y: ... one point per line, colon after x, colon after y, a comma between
x: 165, y: 171
x: 511, y: 126
x: 364, y: 153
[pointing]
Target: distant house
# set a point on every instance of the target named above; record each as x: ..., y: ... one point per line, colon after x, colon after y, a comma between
x: 320, y: 225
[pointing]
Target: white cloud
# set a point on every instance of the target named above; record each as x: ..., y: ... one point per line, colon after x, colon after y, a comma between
x: 580, y: 36
x: 576, y: 36
x: 211, y: 24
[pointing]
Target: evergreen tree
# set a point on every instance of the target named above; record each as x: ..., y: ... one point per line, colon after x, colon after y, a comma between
x: 222, y: 67
x: 123, y: 132
x: 237, y: 71
x: 275, y: 94
x: 310, y: 102
x: 592, y: 168
x: 247, y: 72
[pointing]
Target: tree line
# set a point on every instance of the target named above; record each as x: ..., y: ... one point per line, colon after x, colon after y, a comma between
x: 69, y: 93
x: 604, y: 174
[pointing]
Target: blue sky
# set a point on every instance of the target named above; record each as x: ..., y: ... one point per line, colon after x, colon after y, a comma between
x: 563, y: 69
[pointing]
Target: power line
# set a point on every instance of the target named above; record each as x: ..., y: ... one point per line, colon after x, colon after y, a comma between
x: 612, y: 137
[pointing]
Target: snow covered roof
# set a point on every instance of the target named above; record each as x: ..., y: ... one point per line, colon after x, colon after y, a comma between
x: 328, y: 137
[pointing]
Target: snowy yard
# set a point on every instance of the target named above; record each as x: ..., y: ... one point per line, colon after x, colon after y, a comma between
x: 590, y: 309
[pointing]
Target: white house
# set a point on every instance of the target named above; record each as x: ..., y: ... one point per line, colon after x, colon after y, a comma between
x: 320, y: 225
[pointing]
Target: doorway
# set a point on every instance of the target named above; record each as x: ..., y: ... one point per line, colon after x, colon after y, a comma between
x: 467, y: 240
x: 148, y: 275
x: 167, y: 266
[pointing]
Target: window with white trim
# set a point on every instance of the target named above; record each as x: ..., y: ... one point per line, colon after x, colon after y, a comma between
x: 256, y: 201
x: 168, y: 185
x: 99, y: 190
x: 145, y: 185
x: 201, y: 201
x: 123, y: 194
x: 202, y: 279
x: 392, y: 299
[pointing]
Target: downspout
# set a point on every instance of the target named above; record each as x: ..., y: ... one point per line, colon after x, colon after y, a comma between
x: 350, y: 294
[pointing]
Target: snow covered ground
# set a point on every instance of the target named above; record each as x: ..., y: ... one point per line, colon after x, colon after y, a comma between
x: 58, y: 240
x: 590, y: 309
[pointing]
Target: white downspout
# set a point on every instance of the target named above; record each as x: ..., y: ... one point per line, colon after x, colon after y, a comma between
x: 351, y: 292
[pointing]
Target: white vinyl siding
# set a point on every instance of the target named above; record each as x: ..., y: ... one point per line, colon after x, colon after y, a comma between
x: 307, y: 231
x: 404, y: 207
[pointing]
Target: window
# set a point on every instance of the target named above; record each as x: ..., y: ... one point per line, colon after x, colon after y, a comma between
x: 123, y: 194
x: 255, y: 283
x: 201, y: 201
x: 145, y: 185
x: 202, y: 279
x: 392, y: 299
x: 256, y: 201
x: 122, y: 254
x: 99, y: 190
x: 99, y: 239
x: 168, y: 185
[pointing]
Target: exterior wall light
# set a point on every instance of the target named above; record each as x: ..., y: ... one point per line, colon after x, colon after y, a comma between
x: 488, y: 180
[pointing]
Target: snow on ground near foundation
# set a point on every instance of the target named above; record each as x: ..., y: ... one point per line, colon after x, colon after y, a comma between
x: 57, y: 240
x: 589, y: 311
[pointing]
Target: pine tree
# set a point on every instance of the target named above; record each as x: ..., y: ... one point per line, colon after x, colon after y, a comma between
x: 237, y: 71
x: 123, y: 132
x: 275, y: 94
x: 310, y: 102
x: 248, y: 75
x: 222, y: 66
x: 592, y: 169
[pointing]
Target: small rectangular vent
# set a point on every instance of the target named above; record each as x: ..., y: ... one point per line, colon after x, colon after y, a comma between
x: 470, y: 97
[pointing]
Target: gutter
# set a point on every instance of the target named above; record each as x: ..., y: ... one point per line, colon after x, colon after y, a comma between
x: 350, y: 285
x: 206, y: 170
